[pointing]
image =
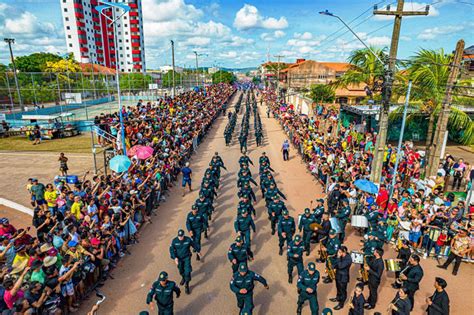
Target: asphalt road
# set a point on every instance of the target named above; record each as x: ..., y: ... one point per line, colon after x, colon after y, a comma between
x: 210, y: 292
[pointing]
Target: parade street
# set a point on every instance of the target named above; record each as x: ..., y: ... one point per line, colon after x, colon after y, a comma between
x: 210, y: 292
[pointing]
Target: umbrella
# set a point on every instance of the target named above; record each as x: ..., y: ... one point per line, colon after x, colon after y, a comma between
x: 120, y: 163
x: 144, y: 152
x: 366, y: 185
x: 133, y: 150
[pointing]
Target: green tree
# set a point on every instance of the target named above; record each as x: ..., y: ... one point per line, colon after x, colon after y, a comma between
x: 35, y: 62
x: 322, y: 93
x: 429, y: 70
x: 223, y: 76
x: 167, y: 79
x: 135, y: 82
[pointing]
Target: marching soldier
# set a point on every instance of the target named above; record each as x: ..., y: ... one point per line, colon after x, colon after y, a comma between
x: 195, y: 224
x: 275, y: 209
x: 242, y: 226
x: 331, y: 247
x: 162, y: 291
x: 239, y: 253
x: 319, y: 210
x: 247, y: 190
x: 375, y: 268
x: 295, y: 257
x: 242, y: 284
x: 244, y: 159
x: 307, y: 289
x: 180, y: 252
x: 342, y: 266
x: 286, y: 230
x: 306, y: 220
x: 264, y: 158
x: 244, y: 203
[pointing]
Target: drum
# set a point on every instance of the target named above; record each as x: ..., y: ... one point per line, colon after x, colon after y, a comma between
x: 392, y: 265
x: 335, y: 225
x: 446, y: 251
x: 357, y: 257
x: 434, y: 233
x: 359, y: 221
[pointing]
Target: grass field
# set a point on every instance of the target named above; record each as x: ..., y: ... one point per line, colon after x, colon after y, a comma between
x: 78, y: 144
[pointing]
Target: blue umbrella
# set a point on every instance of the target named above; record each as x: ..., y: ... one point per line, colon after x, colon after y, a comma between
x: 366, y: 185
x: 120, y: 163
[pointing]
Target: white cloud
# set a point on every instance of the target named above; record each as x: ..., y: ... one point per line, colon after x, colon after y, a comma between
x: 279, y: 34
x: 303, y: 36
x: 162, y: 11
x: 431, y: 33
x: 228, y: 54
x: 197, y: 41
x: 268, y: 37
x: 408, y: 6
x: 248, y: 17
x: 378, y: 41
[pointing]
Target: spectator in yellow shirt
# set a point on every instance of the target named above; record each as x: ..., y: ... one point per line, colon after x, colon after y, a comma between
x: 77, y: 207
x: 50, y: 195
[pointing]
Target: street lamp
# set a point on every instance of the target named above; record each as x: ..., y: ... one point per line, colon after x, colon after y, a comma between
x: 11, y: 41
x: 347, y: 26
x: 125, y: 8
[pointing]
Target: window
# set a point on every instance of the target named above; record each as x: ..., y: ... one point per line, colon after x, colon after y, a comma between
x: 69, y: 36
x: 126, y: 25
x: 128, y: 48
x: 65, y: 9
x: 128, y: 55
x: 126, y: 40
x: 70, y: 45
x: 68, y: 27
x: 126, y: 33
x: 66, y: 19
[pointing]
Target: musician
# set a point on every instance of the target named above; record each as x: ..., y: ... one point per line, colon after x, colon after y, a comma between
x: 307, y: 285
x: 438, y: 303
x: 342, y: 264
x: 401, y: 304
x: 411, y: 277
x: 306, y: 220
x: 331, y: 247
x: 326, y: 227
x: 375, y: 269
x: 460, y: 246
x: 370, y: 245
x: 356, y: 306
x: 403, y: 256
x: 319, y: 210
x: 342, y: 216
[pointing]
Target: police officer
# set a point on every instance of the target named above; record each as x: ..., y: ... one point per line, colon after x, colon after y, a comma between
x: 162, y: 291
x: 239, y: 253
x: 275, y: 210
x: 342, y: 266
x: 319, y: 210
x: 331, y: 247
x: 307, y: 289
x: 271, y: 192
x: 243, y: 224
x: 286, y: 230
x: 180, y: 252
x: 196, y: 223
x: 375, y: 268
x: 242, y: 284
x: 295, y: 257
x: 306, y: 220
x: 342, y: 216
x: 247, y: 190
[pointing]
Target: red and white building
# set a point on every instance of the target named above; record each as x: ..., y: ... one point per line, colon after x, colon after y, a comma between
x: 90, y: 38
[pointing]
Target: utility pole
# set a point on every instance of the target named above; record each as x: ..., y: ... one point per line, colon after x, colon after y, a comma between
x: 440, y: 132
x: 377, y: 163
x: 278, y: 73
x: 197, y: 67
x: 11, y: 41
x: 172, y: 60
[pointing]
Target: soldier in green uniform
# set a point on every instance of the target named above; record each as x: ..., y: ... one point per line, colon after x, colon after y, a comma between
x: 244, y: 203
x: 243, y: 224
x: 243, y: 284
x: 286, y: 230
x: 318, y: 211
x: 247, y: 190
x: 162, y: 292
x: 203, y: 206
x: 331, y: 247
x: 342, y: 215
x: 239, y: 253
x: 218, y: 163
x: 295, y: 257
x: 245, y: 178
x: 180, y: 252
x: 244, y: 167
x: 304, y: 225
x: 271, y: 192
x: 307, y: 289
x: 196, y: 224
x: 264, y: 158
x: 244, y: 159
x: 275, y: 210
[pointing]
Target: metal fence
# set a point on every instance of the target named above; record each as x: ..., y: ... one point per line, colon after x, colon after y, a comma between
x: 46, y: 89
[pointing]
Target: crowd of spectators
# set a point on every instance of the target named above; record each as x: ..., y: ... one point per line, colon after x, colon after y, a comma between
x: 421, y: 210
x: 81, y: 229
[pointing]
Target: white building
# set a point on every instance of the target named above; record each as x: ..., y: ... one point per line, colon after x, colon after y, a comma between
x: 167, y: 68
x: 91, y: 39
x: 213, y: 70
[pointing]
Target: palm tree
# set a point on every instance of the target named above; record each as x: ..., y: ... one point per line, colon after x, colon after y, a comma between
x: 429, y: 70
x: 365, y: 68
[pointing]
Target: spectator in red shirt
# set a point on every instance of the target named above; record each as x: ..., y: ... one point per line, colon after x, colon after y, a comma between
x: 382, y: 198
x: 6, y: 228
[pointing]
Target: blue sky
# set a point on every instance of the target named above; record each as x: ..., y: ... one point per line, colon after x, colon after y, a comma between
x: 235, y: 33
